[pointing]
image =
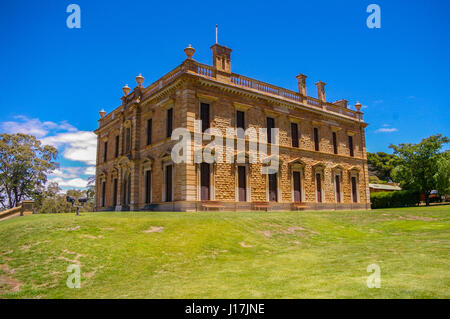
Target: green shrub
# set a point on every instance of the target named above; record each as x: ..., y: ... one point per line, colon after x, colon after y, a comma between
x: 394, y: 199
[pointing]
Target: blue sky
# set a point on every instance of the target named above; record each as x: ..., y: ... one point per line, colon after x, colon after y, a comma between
x: 55, y: 79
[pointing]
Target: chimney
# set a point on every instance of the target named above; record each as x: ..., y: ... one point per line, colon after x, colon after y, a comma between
x: 321, y: 91
x: 341, y: 103
x: 221, y: 58
x: 301, y: 78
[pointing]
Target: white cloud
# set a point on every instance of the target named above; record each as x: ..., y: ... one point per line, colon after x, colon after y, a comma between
x: 34, y: 127
x: 386, y: 130
x: 79, y: 146
x: 73, y: 182
x: 90, y: 170
x: 72, y: 144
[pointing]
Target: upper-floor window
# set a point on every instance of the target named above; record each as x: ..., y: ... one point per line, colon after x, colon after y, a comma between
x: 316, y: 138
x: 350, y: 145
x: 116, y: 151
x: 294, y: 134
x: 335, y: 147
x: 149, y: 131
x: 169, y: 122
x: 128, y: 140
x: 204, y: 116
x: 270, y: 126
x: 240, y: 119
x: 105, y: 152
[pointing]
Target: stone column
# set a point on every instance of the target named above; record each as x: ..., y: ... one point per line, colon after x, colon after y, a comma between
x: 321, y: 91
x: 301, y: 79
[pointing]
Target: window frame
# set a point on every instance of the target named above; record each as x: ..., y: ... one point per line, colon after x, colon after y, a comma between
x: 169, y: 122
x: 295, y: 139
x: 316, y: 139
x: 335, y: 145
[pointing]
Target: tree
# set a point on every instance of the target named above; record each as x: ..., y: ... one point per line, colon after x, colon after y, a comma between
x: 24, y: 166
x: 417, y: 164
x: 52, y: 200
x: 381, y: 165
x: 442, y: 176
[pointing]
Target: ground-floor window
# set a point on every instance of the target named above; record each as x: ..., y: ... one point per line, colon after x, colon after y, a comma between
x: 319, y: 188
x: 148, y: 187
x: 354, y: 190
x: 205, y: 181
x: 103, y: 193
x: 242, y: 184
x: 297, y: 186
x: 126, y: 190
x: 115, y: 192
x: 273, y: 196
x: 337, y: 185
x: 168, y: 183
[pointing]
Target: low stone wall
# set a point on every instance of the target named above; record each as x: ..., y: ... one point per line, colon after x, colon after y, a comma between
x: 25, y: 208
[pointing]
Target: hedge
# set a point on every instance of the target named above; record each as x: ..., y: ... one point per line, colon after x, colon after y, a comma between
x: 394, y: 199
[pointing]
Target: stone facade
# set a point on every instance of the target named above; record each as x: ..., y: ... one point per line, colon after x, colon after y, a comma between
x: 134, y: 167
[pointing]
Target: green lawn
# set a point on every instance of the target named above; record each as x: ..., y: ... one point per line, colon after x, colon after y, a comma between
x: 228, y: 255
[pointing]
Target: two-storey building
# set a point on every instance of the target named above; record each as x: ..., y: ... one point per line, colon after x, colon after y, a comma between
x: 322, y: 152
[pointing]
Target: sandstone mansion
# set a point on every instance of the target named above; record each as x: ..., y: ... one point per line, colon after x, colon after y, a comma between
x: 322, y: 150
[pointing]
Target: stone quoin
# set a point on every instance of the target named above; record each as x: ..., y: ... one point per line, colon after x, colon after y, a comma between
x: 322, y: 150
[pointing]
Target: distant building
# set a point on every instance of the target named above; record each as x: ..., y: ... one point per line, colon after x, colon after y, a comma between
x: 322, y: 148
x: 383, y: 188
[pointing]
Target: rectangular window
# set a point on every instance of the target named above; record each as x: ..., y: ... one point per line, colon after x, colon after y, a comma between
x: 273, y: 196
x: 319, y: 188
x: 242, y: 184
x: 149, y: 131
x: 169, y: 122
x: 297, y: 187
x: 128, y: 140
x: 338, y: 188
x: 103, y: 193
x: 316, y: 139
x: 350, y: 144
x: 205, y: 181
x: 148, y: 187
x: 270, y: 126
x: 240, y: 119
x: 168, y: 183
x: 126, y: 191
x: 115, y: 192
x: 204, y: 116
x: 294, y: 134
x: 354, y: 191
x: 105, y: 152
x: 335, y: 147
x: 116, y: 152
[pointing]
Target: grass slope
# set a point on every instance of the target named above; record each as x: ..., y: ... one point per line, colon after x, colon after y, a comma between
x: 228, y: 255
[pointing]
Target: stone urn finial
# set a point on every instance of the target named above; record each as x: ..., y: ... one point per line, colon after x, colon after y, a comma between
x: 140, y: 79
x: 358, y: 106
x: 126, y: 89
x: 102, y: 113
x: 189, y: 51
